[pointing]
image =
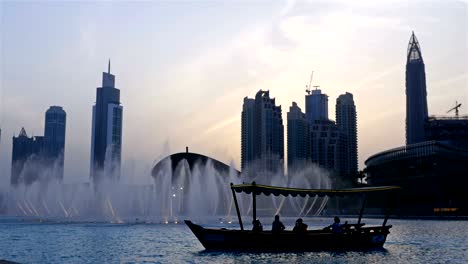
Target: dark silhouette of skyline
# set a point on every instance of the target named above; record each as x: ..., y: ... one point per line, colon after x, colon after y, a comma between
x: 313, y: 137
x: 38, y: 155
x: 431, y: 167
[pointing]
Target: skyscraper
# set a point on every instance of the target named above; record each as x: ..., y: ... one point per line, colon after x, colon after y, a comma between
x: 54, y: 138
x: 247, y: 131
x: 262, y: 136
x: 416, y: 101
x: 324, y: 142
x: 323, y: 137
x: 316, y: 106
x: 25, y: 158
x: 298, y: 137
x: 346, y: 122
x: 106, y: 142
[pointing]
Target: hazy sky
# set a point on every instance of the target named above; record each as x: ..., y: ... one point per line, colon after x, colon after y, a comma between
x: 184, y: 67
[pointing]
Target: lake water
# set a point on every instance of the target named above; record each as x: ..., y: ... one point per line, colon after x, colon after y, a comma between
x: 27, y: 241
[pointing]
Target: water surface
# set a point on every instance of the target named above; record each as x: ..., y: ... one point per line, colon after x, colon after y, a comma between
x: 410, y: 241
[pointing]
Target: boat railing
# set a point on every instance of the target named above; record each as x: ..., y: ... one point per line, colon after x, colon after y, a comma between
x: 346, y: 227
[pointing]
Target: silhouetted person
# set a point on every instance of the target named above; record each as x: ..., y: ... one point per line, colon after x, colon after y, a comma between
x: 257, y: 226
x: 277, y: 226
x: 336, y: 226
x: 300, y: 227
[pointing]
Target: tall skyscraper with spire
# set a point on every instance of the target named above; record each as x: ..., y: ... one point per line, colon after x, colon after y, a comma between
x: 416, y: 96
x: 106, y: 142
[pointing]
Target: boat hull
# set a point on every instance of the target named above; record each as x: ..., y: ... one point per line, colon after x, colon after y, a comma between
x: 224, y: 239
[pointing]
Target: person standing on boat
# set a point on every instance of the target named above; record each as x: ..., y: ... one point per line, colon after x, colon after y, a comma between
x: 277, y: 226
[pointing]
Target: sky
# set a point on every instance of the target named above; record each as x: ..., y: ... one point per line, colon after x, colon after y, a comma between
x: 184, y: 67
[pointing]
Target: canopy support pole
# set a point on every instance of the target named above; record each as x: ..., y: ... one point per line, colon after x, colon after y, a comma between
x: 388, y: 209
x: 237, y: 208
x: 385, y: 219
x: 362, y: 209
x: 254, y: 205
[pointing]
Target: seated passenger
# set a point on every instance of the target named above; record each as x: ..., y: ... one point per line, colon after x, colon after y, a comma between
x: 300, y: 227
x: 336, y: 226
x: 257, y: 226
x: 277, y: 226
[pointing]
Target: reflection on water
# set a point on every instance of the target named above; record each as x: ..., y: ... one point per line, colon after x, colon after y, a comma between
x: 410, y: 241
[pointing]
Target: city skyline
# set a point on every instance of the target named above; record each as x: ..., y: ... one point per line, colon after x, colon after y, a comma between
x: 203, y: 108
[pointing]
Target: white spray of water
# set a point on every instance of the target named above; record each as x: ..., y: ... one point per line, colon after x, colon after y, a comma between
x: 201, y: 193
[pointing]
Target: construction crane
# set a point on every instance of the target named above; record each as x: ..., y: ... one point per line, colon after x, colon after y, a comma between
x: 457, y: 105
x: 310, y: 84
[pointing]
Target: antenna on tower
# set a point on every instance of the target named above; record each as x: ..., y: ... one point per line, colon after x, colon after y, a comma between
x: 108, y: 67
x: 457, y: 105
x: 310, y: 83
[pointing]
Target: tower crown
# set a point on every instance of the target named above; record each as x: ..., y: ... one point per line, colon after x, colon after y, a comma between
x: 108, y: 80
x: 414, y: 51
x: 23, y: 133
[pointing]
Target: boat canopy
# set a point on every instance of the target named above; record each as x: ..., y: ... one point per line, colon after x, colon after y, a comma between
x: 267, y: 190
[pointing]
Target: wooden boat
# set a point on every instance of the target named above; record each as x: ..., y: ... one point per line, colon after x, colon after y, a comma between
x: 352, y: 236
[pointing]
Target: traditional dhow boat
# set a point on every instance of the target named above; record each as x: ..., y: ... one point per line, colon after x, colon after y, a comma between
x: 351, y: 236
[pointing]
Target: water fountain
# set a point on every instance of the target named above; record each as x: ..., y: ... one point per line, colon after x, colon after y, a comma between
x: 200, y: 192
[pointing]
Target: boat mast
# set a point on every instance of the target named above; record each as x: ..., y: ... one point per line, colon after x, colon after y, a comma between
x: 237, y: 208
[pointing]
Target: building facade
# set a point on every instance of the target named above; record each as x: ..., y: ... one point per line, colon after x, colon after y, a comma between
x: 106, y: 142
x: 54, y: 138
x: 247, y: 131
x: 452, y: 131
x: 298, y: 141
x: 416, y: 96
x: 324, y: 144
x: 262, y: 135
x: 26, y: 156
x: 316, y: 105
x: 432, y: 175
x: 346, y: 121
